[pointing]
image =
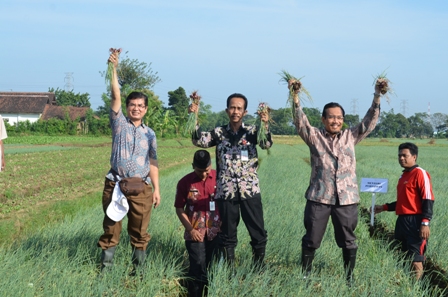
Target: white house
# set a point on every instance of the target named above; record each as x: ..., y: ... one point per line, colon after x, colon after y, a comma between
x: 22, y: 106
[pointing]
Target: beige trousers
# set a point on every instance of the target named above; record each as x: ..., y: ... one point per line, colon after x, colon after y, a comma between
x: 139, y: 213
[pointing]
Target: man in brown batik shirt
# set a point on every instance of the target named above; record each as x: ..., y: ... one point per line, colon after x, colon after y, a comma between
x: 333, y: 188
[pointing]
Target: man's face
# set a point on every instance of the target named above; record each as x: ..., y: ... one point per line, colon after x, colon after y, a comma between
x: 136, y: 109
x: 334, y: 120
x: 406, y: 159
x: 236, y: 110
x: 202, y: 173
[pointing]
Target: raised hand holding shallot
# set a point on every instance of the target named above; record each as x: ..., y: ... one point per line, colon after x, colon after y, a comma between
x: 110, y: 66
x: 262, y: 122
x: 192, y: 120
x: 297, y: 93
x: 382, y: 84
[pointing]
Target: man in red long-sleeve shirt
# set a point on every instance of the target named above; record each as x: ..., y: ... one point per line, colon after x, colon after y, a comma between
x: 414, y: 207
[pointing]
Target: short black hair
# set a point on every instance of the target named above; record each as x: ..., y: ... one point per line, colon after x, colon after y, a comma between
x: 331, y: 105
x: 201, y: 159
x: 136, y: 95
x: 237, y: 95
x: 412, y: 147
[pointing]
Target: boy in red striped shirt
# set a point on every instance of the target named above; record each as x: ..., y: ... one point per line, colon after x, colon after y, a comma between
x: 414, y: 207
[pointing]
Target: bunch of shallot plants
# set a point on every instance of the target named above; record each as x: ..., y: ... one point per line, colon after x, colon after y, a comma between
x: 263, y: 110
x: 110, y: 67
x: 383, y: 83
x: 192, y: 120
x: 295, y: 89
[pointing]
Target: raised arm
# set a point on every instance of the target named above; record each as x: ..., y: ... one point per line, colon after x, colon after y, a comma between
x: 201, y: 138
x: 115, y: 103
x: 370, y: 120
x: 300, y: 120
x: 377, y: 94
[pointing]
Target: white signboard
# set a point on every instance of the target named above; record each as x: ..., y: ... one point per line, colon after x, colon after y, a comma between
x: 374, y: 185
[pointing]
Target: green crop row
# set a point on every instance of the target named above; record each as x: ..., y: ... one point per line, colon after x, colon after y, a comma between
x: 41, y: 176
x: 46, y: 139
x: 61, y: 259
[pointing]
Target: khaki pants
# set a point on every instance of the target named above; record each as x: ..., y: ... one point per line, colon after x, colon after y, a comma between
x: 140, y: 207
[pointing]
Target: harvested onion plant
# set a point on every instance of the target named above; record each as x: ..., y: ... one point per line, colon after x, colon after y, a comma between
x: 110, y: 66
x: 192, y: 120
x: 263, y: 109
x: 384, y: 83
x: 295, y: 89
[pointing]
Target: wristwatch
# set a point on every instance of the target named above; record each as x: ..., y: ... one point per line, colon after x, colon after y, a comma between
x: 425, y: 223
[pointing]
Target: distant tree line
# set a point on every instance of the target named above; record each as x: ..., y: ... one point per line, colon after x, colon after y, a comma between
x: 168, y: 121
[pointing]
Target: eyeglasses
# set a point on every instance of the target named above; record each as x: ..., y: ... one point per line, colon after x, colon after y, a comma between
x: 139, y: 106
x: 332, y: 117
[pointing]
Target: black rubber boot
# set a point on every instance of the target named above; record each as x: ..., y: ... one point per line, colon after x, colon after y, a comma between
x: 307, y: 261
x: 349, y: 256
x: 258, y: 257
x: 228, y: 254
x: 196, y: 289
x: 107, y: 258
x: 138, y: 258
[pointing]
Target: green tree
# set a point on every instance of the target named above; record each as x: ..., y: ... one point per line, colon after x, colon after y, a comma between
x: 96, y: 125
x: 351, y: 120
x: 387, y: 126
x: 220, y: 118
x: 205, y: 116
x: 178, y: 102
x: 133, y: 75
x: 314, y: 116
x: 403, y: 127
x: 419, y: 125
x: 248, y: 118
x: 64, y: 98
x: 137, y: 75
x: 105, y: 108
x: 282, y: 122
x: 167, y: 122
x: 155, y: 107
x: 439, y: 121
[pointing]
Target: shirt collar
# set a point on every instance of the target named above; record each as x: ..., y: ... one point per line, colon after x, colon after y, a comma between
x: 132, y: 123
x: 210, y: 175
x: 229, y: 129
x: 326, y: 134
x: 410, y: 169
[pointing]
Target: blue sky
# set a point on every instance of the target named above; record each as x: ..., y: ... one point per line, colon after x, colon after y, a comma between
x: 222, y: 47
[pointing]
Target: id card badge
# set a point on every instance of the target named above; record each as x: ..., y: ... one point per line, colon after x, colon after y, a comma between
x: 212, y: 205
x: 244, y: 155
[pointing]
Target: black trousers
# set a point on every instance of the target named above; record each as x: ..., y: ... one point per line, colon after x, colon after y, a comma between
x: 407, y: 232
x: 252, y: 214
x: 200, y: 255
x: 343, y: 217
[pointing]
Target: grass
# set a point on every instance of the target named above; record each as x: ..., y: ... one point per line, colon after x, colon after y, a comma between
x: 60, y: 258
x: 65, y: 140
x: 386, y: 166
x: 42, y: 180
